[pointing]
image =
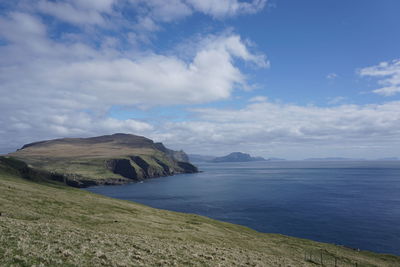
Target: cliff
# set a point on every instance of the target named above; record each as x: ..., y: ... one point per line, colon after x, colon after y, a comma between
x: 109, y: 159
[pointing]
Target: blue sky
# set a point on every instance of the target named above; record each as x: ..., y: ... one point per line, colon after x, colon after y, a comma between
x: 274, y: 78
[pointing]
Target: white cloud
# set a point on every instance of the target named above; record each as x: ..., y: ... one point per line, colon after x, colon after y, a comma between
x: 166, y: 11
x: 32, y: 124
x: 146, y: 24
x: 258, y: 99
x: 388, y: 74
x: 148, y: 80
x: 99, y: 5
x: 225, y: 8
x: 53, y: 89
x: 234, y: 45
x: 148, y: 13
x: 21, y: 28
x: 290, y: 130
x: 336, y: 100
x: 331, y: 76
x: 71, y: 13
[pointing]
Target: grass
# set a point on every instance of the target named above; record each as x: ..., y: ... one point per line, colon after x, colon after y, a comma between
x: 89, y: 168
x: 47, y: 223
x: 87, y: 161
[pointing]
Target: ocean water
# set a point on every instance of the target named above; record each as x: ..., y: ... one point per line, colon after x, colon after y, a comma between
x: 355, y: 204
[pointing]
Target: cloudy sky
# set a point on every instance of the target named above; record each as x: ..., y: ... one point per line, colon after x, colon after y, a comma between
x: 275, y: 78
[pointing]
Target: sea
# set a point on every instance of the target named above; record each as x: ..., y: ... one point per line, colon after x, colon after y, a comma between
x: 349, y: 203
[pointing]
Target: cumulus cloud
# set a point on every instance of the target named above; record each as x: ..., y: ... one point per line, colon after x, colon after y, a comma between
x: 25, y: 125
x: 54, y: 88
x: 269, y: 128
x: 165, y: 11
x: 224, y: 8
x: 73, y: 12
x: 148, y: 13
x: 82, y: 74
x: 388, y: 74
x: 168, y: 10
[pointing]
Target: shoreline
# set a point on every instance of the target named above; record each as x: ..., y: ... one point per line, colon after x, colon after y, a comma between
x: 78, y: 181
x: 61, y: 225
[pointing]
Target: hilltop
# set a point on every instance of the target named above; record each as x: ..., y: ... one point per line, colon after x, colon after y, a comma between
x: 109, y: 159
x: 237, y: 157
x: 46, y: 223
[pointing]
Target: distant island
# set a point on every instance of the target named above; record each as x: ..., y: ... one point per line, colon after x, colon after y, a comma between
x: 276, y: 159
x: 237, y: 157
x: 351, y: 159
x: 232, y: 157
x: 110, y: 159
x: 334, y: 159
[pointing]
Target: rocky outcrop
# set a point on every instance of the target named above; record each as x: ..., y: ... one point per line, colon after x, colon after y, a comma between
x: 145, y: 169
x: 166, y: 168
x: 148, y: 170
x: 187, y: 167
x: 175, y: 155
x: 122, y: 167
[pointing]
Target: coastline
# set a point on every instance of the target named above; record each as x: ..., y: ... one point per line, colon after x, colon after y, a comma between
x: 75, y: 180
x: 61, y: 225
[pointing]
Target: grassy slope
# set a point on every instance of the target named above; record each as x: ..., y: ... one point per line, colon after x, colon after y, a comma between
x: 53, y: 224
x: 90, y: 166
x: 87, y: 160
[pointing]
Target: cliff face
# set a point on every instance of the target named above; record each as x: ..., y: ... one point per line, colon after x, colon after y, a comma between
x: 176, y: 155
x: 110, y: 159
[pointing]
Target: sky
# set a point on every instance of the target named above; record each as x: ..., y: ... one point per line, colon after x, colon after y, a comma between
x: 275, y: 78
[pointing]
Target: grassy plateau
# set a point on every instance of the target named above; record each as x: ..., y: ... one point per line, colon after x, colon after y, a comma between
x: 109, y: 159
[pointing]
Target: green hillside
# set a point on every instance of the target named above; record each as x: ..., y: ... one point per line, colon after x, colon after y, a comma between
x: 109, y: 159
x: 47, y: 223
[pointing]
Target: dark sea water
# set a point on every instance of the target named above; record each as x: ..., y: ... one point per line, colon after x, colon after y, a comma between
x: 356, y: 204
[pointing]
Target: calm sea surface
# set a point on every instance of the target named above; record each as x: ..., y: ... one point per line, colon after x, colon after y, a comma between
x: 356, y: 204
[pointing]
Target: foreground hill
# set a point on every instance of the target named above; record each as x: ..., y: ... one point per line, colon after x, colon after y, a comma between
x: 109, y: 159
x: 237, y: 157
x: 46, y: 223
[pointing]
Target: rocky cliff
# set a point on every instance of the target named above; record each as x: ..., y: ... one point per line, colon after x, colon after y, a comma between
x: 109, y: 159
